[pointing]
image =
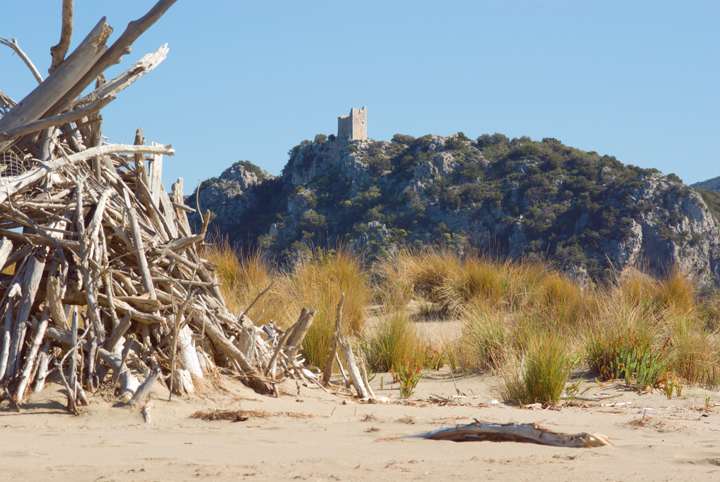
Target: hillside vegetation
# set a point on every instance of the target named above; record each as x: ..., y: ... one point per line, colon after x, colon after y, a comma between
x: 590, y: 215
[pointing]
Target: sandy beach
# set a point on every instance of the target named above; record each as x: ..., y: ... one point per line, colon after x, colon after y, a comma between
x: 318, y: 436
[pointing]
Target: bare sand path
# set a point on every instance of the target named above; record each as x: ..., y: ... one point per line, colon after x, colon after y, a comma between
x: 316, y: 436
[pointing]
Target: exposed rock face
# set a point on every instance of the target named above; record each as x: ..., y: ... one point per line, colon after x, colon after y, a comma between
x: 228, y: 197
x: 679, y: 229
x: 589, y: 214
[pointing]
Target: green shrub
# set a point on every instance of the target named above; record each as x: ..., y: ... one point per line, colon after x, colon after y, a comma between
x: 403, y: 139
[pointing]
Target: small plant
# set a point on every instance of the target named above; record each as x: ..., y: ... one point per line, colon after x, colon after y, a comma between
x: 573, y: 389
x: 434, y: 358
x: 408, y: 375
x: 626, y: 364
x: 669, y: 386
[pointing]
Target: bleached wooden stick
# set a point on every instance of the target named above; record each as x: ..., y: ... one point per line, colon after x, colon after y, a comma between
x: 139, y: 248
x: 142, y: 392
x: 355, y: 377
x: 64, y: 78
x: 30, y: 358
x: 7, y: 338
x: 254, y: 301
x: 118, y: 332
x: 73, y: 356
x: 31, y: 283
x: 271, y: 364
x: 6, y: 247
x: 122, y: 81
x: 220, y: 341
x: 43, y: 363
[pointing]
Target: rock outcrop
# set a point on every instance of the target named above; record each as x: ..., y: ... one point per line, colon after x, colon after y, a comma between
x: 228, y: 197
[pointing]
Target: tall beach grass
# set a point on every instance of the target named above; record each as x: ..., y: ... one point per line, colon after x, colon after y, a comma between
x: 511, y: 312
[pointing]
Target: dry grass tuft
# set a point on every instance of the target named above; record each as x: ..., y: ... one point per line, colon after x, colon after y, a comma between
x: 243, y: 276
x: 487, y: 337
x: 620, y: 331
x: 676, y: 292
x: 695, y: 351
x: 392, y: 341
x: 511, y: 311
x: 318, y: 285
x: 539, y: 372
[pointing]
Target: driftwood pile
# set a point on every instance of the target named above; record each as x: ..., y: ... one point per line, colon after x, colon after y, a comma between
x: 102, y: 278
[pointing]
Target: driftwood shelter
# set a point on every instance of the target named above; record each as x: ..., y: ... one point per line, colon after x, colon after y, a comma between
x: 102, y: 278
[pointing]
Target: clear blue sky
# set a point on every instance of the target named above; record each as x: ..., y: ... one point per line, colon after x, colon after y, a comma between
x: 248, y: 80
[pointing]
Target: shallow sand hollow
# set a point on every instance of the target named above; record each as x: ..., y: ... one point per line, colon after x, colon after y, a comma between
x: 317, y: 436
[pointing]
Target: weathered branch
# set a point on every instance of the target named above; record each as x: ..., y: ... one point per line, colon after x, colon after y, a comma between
x: 112, y: 56
x: 513, y: 432
x: 58, y: 120
x: 255, y: 380
x: 35, y: 104
x: 38, y: 174
x: 327, y: 373
x: 58, y: 51
x: 13, y: 44
x: 122, y: 81
x: 256, y: 298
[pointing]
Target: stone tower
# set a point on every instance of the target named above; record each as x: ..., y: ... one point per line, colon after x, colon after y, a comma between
x: 354, y: 125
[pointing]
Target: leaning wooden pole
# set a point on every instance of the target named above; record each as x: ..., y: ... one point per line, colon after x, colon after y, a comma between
x: 327, y: 373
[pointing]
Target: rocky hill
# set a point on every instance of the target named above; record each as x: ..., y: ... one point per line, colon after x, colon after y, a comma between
x: 589, y: 214
x: 709, y: 185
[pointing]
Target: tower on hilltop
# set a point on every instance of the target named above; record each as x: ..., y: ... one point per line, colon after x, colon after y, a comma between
x: 354, y: 125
